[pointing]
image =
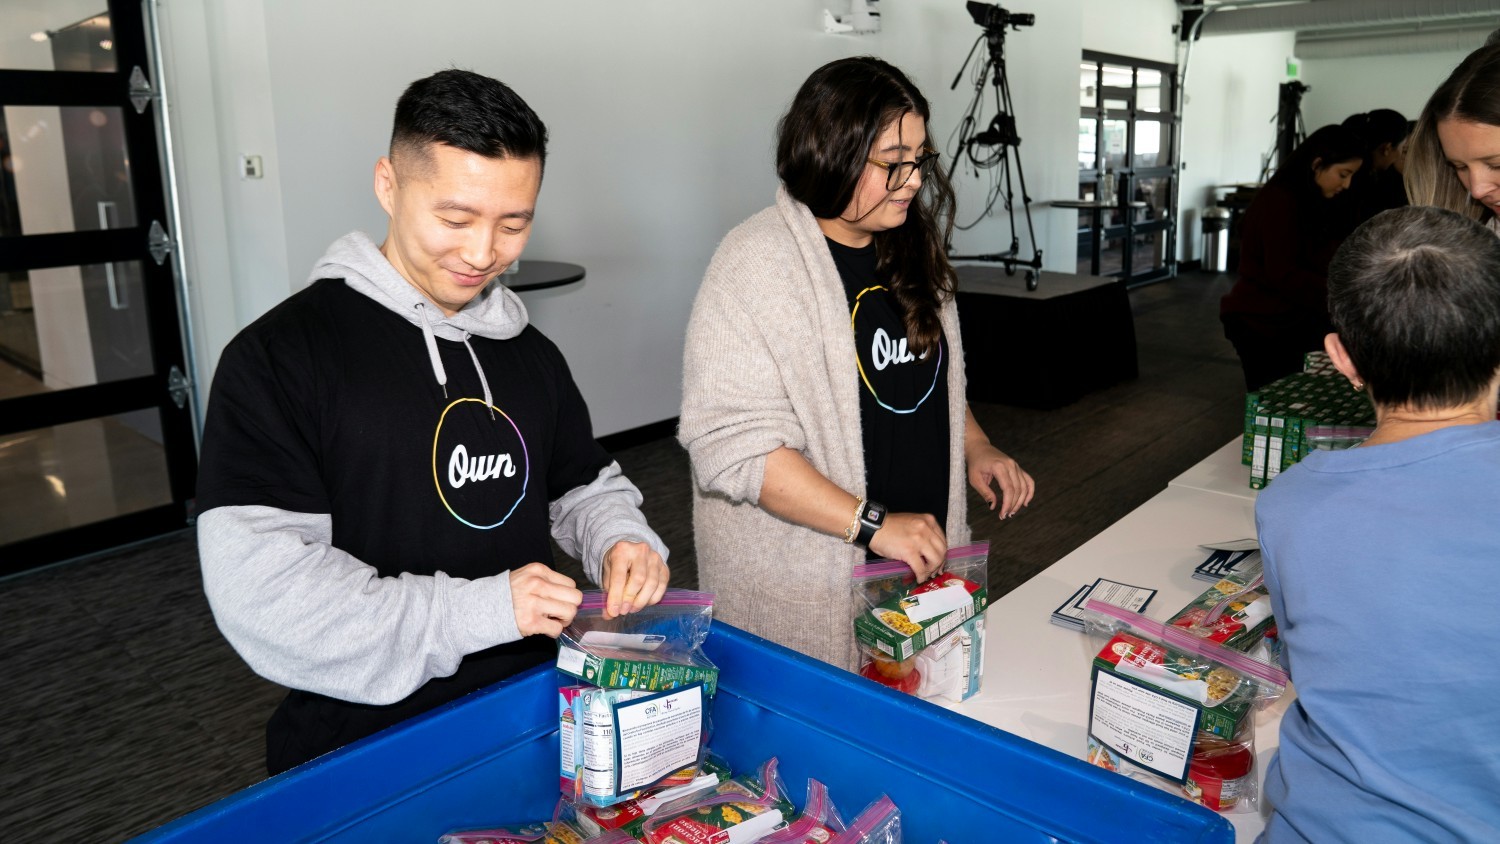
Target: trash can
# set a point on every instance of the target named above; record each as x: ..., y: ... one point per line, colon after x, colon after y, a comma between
x: 1216, y: 239
x: 491, y: 758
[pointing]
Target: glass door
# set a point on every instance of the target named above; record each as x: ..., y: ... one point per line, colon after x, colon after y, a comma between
x: 96, y: 433
x: 1127, y: 163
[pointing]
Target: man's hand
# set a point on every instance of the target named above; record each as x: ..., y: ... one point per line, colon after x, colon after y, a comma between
x: 913, y: 538
x: 987, y: 465
x: 544, y: 600
x: 634, y: 577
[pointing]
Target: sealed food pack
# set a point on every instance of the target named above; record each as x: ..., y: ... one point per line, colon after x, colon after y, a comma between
x: 879, y: 823
x: 631, y: 815
x: 1235, y: 612
x: 624, y: 741
x: 739, y: 811
x: 895, y: 617
x: 653, y: 649
x: 818, y: 822
x: 1173, y: 706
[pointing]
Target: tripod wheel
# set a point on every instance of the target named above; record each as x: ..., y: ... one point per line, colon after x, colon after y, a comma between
x: 1031, y: 279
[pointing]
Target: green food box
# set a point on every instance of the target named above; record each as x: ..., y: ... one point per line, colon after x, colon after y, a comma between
x: 626, y: 668
x: 1219, y: 693
x: 887, y: 627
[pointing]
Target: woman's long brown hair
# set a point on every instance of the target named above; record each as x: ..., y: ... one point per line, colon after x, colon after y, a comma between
x: 823, y: 142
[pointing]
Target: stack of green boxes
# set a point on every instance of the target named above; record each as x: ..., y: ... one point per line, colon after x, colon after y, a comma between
x: 1278, y: 415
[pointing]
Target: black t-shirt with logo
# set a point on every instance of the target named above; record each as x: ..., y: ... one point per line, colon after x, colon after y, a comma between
x: 903, y: 398
x: 328, y: 404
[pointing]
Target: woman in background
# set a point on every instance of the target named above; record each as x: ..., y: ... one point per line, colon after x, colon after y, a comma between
x: 1379, y: 559
x: 1380, y: 184
x: 1277, y: 310
x: 1453, y: 156
x: 823, y: 388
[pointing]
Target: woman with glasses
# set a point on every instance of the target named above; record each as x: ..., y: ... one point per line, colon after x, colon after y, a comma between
x: 823, y: 391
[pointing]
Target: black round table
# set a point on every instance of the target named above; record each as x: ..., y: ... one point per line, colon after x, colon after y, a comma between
x: 540, y: 275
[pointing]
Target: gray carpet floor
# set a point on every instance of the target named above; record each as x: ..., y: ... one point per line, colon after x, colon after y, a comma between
x: 125, y: 708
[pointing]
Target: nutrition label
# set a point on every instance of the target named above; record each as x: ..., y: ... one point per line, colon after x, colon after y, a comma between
x: 1148, y: 728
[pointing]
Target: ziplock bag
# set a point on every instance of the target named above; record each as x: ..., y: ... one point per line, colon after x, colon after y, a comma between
x: 625, y: 741
x: 739, y: 811
x: 879, y: 823
x: 655, y: 648
x: 1222, y: 773
x: 1156, y: 687
x: 818, y: 823
x: 1235, y: 612
x: 630, y: 815
x: 895, y: 617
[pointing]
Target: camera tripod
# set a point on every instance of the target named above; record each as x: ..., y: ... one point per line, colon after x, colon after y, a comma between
x: 1000, y: 137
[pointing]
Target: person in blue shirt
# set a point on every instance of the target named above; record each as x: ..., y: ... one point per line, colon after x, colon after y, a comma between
x: 1381, y: 561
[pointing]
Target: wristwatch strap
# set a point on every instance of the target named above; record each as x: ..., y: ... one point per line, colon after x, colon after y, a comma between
x: 867, y: 525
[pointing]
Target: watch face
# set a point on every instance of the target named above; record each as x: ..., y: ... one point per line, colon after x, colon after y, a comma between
x: 875, y: 512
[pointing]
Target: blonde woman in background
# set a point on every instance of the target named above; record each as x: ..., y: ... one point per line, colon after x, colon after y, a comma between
x: 1453, y: 155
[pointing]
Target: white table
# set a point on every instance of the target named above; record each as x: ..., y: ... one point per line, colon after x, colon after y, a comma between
x: 1220, y: 472
x: 1036, y: 674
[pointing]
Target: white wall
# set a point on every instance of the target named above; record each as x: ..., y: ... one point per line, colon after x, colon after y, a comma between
x: 1140, y: 29
x: 662, y: 115
x: 1229, y: 120
x: 1341, y: 87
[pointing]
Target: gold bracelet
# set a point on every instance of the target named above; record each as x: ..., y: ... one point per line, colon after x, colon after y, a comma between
x: 852, y: 530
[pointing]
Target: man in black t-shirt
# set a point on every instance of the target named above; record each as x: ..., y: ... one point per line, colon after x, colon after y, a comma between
x: 385, y: 451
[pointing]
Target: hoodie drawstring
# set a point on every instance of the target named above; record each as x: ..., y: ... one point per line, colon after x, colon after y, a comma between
x: 437, y: 362
x: 432, y: 353
x: 484, y: 384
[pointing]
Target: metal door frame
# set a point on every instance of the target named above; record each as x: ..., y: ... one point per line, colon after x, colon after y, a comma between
x: 136, y: 44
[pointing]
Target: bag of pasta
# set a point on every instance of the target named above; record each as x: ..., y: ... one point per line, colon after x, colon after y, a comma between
x: 652, y: 649
x: 1173, y: 708
x: 895, y: 617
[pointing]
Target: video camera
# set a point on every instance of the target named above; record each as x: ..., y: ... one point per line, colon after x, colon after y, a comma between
x: 991, y: 16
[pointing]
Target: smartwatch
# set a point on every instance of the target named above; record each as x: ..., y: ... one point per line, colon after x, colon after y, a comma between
x: 871, y: 517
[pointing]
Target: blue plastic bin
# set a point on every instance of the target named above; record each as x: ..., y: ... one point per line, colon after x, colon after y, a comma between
x: 491, y: 758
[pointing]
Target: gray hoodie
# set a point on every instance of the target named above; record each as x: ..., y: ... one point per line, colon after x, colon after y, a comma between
x: 309, y: 616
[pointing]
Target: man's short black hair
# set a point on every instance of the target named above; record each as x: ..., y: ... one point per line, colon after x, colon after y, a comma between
x: 1415, y: 297
x: 467, y: 111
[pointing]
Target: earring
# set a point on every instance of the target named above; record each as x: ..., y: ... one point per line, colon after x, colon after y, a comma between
x: 1358, y: 384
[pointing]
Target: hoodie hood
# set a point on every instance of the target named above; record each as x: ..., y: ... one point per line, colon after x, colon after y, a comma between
x: 496, y: 313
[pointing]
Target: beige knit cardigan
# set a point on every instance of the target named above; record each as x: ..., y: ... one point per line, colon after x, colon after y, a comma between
x: 770, y: 361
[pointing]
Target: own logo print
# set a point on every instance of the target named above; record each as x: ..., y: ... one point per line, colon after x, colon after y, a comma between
x: 886, y: 352
x: 480, y: 464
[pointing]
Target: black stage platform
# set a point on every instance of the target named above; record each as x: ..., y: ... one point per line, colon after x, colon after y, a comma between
x: 1043, y: 348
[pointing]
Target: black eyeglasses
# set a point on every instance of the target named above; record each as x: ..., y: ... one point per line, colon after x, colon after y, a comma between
x: 898, y: 173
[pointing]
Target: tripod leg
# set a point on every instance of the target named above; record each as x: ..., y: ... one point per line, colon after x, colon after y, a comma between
x: 1025, y: 196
